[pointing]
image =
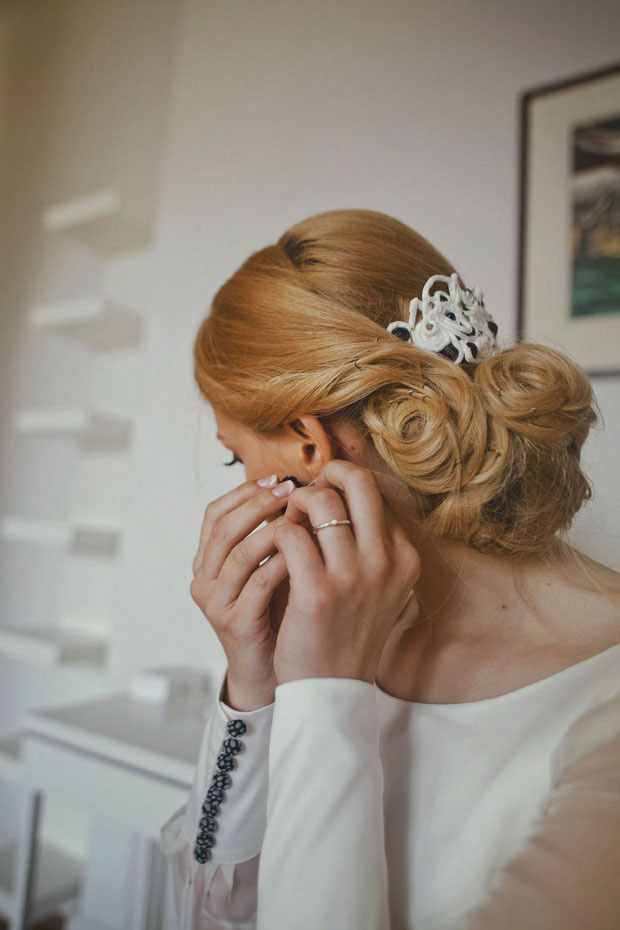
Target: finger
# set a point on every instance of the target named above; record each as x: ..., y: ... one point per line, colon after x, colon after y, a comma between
x: 259, y: 589
x: 235, y: 525
x: 243, y: 560
x: 405, y: 556
x: 303, y: 559
x: 217, y: 508
x: 365, y: 504
x: 320, y: 505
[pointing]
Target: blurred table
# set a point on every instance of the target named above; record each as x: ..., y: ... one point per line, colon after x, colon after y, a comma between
x: 119, y: 757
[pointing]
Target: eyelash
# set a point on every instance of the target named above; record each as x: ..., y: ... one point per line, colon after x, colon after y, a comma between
x: 234, y: 460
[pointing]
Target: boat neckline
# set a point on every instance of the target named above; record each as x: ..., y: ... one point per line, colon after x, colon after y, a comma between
x: 534, y: 685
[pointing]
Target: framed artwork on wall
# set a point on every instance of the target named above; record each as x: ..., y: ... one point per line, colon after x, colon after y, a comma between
x: 569, y: 237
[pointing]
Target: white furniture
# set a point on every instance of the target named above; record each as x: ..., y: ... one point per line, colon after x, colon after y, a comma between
x: 118, y: 757
x: 36, y: 878
x: 58, y: 876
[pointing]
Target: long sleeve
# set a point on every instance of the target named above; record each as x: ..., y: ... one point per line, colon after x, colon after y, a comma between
x: 214, y: 840
x: 323, y: 864
x: 323, y: 849
x: 567, y: 875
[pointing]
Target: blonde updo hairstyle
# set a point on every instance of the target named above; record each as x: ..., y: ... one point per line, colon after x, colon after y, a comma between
x: 489, y: 450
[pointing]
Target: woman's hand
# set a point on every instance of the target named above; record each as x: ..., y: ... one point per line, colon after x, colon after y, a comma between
x: 346, y: 593
x: 232, y: 588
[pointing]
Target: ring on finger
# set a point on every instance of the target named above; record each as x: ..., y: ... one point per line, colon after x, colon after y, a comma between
x: 331, y: 523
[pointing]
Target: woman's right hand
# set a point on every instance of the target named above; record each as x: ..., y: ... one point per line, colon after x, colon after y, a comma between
x: 234, y: 590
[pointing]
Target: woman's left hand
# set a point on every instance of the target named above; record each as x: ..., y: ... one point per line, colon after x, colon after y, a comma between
x: 348, y: 584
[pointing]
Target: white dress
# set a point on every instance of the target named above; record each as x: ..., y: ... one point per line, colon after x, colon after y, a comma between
x: 350, y: 809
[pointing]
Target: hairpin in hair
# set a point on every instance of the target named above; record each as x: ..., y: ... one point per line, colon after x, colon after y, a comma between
x: 454, y: 324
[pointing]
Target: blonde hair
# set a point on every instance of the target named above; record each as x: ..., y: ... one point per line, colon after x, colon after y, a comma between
x: 490, y: 451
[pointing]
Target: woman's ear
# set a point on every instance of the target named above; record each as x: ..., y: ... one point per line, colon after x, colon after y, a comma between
x: 316, y: 446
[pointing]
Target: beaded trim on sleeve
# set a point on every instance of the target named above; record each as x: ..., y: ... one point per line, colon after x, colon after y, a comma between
x: 220, y: 781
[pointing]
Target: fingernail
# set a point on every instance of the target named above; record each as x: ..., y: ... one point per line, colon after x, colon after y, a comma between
x: 284, y: 489
x: 295, y: 480
x: 267, y: 482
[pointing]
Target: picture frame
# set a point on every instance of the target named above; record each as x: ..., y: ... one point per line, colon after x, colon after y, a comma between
x: 569, y: 223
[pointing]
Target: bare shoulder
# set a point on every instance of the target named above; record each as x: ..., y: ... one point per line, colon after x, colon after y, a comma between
x: 571, y: 621
x: 586, y: 610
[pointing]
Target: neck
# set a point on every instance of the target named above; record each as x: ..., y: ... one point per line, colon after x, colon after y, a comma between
x: 465, y: 596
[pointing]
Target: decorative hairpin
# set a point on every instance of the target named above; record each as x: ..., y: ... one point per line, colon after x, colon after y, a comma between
x: 454, y: 323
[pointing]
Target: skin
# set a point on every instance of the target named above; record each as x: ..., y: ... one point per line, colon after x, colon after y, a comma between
x: 465, y: 634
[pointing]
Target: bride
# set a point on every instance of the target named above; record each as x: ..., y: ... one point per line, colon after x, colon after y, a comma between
x: 422, y: 674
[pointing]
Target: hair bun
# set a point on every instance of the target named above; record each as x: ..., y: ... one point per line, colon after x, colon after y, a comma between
x: 537, y: 393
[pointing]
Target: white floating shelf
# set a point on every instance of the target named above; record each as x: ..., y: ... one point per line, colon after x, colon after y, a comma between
x: 92, y: 427
x: 11, y: 757
x: 58, y: 882
x: 105, y: 220
x: 96, y: 321
x: 89, y: 534
x: 52, y: 646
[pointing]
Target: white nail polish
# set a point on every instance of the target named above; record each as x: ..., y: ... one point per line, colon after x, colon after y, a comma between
x: 267, y: 482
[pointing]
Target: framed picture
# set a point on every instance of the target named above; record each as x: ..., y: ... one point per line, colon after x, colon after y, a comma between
x: 569, y: 248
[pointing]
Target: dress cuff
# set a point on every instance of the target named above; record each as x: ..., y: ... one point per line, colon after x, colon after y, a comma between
x: 234, y: 809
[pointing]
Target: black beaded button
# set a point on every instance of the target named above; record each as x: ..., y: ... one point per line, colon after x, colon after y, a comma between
x: 214, y: 794
x: 205, y: 841
x: 221, y: 780
x: 225, y: 762
x: 232, y: 745
x: 236, y: 727
x: 211, y: 808
x: 208, y: 823
x: 202, y: 855
x: 212, y: 799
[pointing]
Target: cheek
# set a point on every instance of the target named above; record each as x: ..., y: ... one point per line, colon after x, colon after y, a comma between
x: 262, y: 465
